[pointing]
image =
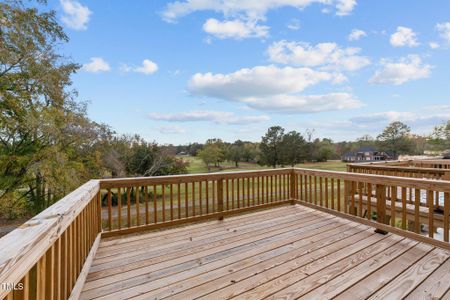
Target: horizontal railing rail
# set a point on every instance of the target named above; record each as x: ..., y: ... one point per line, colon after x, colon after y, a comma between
x: 43, y: 258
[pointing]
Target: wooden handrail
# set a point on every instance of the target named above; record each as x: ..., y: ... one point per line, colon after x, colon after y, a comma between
x: 440, y: 185
x: 134, y: 181
x: 59, y: 238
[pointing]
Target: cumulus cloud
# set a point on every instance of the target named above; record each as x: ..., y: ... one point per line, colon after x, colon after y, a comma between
x: 330, y: 56
x: 271, y: 88
x: 96, y: 65
x: 249, y: 10
x: 398, y: 72
x: 444, y: 31
x: 356, y: 34
x: 148, y: 67
x: 75, y: 15
x: 292, y: 104
x: 171, y: 129
x: 345, y: 7
x: 236, y: 29
x: 404, y: 36
x: 259, y: 81
x: 219, y: 117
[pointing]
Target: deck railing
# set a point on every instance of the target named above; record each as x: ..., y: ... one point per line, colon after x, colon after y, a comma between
x: 43, y: 258
x: 48, y: 257
x: 134, y: 204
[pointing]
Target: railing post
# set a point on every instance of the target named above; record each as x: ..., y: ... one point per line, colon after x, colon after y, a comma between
x: 220, y: 197
x: 381, y: 206
x: 293, y: 184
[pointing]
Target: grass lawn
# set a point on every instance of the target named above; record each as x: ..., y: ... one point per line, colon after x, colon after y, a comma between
x: 197, y: 166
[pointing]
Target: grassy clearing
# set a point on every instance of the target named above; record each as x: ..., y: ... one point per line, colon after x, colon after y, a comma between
x: 197, y: 166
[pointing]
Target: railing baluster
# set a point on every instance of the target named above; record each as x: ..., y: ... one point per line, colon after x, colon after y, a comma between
x: 119, y: 208
x: 417, y: 210
x: 186, y: 199
x: 128, y: 207
x: 207, y: 196
x: 446, y: 215
x: 200, y: 197
x: 147, y: 221
x: 137, y: 205
x: 193, y: 199
x: 179, y: 199
x: 393, y: 204
x: 109, y: 210
x: 171, y: 202
x: 155, y: 205
x: 430, y: 213
x: 163, y: 202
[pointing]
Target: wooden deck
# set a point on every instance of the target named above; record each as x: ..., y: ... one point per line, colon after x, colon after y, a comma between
x: 288, y: 252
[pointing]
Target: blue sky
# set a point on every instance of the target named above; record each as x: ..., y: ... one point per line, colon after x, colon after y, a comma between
x: 186, y: 71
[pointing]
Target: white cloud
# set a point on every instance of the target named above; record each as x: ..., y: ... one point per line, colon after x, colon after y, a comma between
x: 171, y: 129
x: 260, y: 81
x: 294, y: 24
x: 292, y: 104
x: 270, y: 88
x: 330, y: 56
x: 219, y: 117
x: 235, y: 29
x: 249, y: 10
x: 444, y: 31
x: 411, y: 118
x: 97, y: 64
x: 148, y: 67
x: 404, y: 36
x: 345, y: 7
x: 434, y: 45
x: 398, y: 72
x: 356, y: 34
x: 76, y: 15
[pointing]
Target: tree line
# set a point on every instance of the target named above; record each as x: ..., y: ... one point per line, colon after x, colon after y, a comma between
x: 280, y: 148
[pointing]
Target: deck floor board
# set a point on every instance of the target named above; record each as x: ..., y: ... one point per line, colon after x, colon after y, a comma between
x: 288, y: 252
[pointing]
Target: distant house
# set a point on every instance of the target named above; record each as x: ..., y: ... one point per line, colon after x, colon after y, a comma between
x: 367, y: 154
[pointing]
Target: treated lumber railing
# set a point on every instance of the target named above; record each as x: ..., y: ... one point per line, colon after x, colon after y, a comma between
x: 44, y: 258
x: 49, y: 256
x: 133, y: 204
x: 387, y: 202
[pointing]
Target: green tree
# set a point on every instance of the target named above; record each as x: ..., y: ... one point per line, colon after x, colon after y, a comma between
x: 293, y: 148
x: 40, y: 123
x: 440, y: 137
x: 235, y: 152
x: 395, y: 138
x: 211, y: 155
x: 270, y: 146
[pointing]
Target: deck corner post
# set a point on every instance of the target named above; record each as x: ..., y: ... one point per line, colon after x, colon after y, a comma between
x: 220, y: 197
x: 381, y: 207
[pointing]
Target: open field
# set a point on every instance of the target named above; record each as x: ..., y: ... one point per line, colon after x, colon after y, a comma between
x: 197, y: 166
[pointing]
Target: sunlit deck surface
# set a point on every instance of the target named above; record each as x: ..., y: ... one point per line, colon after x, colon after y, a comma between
x: 287, y: 252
